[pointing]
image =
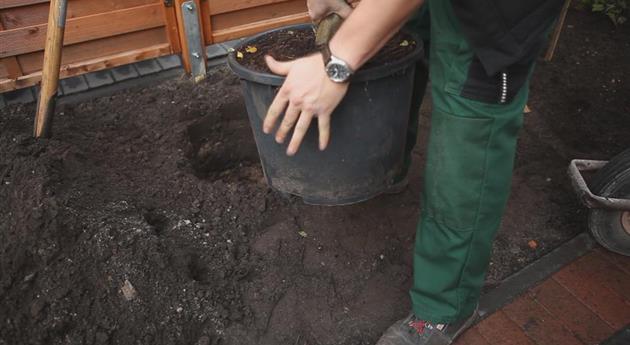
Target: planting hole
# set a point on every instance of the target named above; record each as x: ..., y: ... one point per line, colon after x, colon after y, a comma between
x: 221, y: 142
x: 157, y: 221
x: 197, y: 270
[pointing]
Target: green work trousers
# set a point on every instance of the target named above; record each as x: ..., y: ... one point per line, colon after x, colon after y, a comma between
x: 467, y: 175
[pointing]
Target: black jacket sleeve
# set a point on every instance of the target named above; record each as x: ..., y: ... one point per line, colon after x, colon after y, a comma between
x: 505, y: 32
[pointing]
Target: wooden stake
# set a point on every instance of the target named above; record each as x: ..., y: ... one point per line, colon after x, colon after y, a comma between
x: 50, y: 69
x: 556, y: 32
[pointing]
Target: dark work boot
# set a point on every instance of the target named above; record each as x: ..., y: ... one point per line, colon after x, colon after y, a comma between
x: 412, y: 331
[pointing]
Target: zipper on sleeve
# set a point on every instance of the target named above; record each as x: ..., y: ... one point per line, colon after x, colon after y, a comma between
x: 504, y: 88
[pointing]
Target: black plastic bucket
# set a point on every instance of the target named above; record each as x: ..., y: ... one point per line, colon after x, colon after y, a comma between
x: 367, y: 141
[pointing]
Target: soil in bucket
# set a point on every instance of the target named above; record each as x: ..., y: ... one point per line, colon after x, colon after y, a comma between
x: 290, y: 44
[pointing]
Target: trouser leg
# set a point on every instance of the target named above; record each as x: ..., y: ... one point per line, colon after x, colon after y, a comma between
x: 468, y: 174
x: 467, y: 182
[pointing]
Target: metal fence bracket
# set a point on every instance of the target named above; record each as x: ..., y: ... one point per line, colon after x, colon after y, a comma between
x: 192, y: 30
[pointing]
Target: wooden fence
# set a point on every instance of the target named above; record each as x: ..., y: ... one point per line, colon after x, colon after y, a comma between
x: 106, y: 33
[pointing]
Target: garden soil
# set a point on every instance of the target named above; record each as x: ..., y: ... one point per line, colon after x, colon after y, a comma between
x: 286, y: 45
x: 146, y: 218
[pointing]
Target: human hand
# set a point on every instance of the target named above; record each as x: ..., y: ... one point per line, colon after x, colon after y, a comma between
x: 307, y: 93
x: 320, y: 9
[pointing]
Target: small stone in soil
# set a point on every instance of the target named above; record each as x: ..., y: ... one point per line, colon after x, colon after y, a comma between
x: 128, y: 291
x: 29, y: 277
x: 37, y: 307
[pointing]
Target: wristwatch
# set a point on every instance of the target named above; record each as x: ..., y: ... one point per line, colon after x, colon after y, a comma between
x: 336, y: 69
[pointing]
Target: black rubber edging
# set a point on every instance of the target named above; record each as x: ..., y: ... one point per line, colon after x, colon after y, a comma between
x: 539, y: 270
x: 146, y: 80
x: 620, y: 338
x: 108, y: 90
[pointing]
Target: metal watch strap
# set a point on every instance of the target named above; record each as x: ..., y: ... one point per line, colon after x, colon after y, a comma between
x: 338, y: 70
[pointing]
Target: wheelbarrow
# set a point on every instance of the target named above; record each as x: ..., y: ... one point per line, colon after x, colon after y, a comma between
x: 608, y: 199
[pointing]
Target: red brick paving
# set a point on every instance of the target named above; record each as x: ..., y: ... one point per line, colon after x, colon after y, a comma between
x: 575, y: 316
x: 498, y: 329
x: 584, y: 303
x: 620, y: 260
x: 608, y: 273
x: 591, y: 291
x: 472, y: 337
x: 538, y: 324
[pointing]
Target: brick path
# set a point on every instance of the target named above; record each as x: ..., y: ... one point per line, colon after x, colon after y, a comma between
x: 585, y: 303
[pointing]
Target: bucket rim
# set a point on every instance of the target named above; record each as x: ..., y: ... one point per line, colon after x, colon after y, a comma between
x: 362, y: 75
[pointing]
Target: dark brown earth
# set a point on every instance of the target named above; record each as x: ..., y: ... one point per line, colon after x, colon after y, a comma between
x: 285, y: 45
x: 145, y: 220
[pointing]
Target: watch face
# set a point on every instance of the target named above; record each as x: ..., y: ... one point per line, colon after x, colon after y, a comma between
x: 337, y: 72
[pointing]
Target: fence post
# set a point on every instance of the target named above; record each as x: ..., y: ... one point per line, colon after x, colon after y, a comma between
x: 191, y: 36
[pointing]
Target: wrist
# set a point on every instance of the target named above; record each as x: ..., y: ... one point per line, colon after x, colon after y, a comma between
x: 336, y: 69
x: 342, y: 52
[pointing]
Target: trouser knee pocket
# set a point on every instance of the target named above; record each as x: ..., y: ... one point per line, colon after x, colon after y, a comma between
x: 456, y: 169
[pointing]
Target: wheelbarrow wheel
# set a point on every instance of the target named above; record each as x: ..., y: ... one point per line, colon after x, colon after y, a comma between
x: 611, y: 228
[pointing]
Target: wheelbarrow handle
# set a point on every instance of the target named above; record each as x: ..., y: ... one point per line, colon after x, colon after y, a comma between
x: 585, y: 194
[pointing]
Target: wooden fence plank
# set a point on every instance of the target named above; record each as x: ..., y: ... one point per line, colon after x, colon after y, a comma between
x: 24, y: 16
x: 9, y: 66
x: 30, y: 39
x: 17, y: 3
x: 32, y: 62
x: 256, y: 14
x: 115, y: 60
x: 38, y: 14
x: 206, y: 21
x: 89, y: 66
x: 170, y: 22
x: 225, y: 6
x: 253, y: 28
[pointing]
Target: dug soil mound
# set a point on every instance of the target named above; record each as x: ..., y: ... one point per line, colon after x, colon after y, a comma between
x: 146, y: 219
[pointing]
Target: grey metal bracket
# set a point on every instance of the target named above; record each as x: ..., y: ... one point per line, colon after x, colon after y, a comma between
x: 192, y: 29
